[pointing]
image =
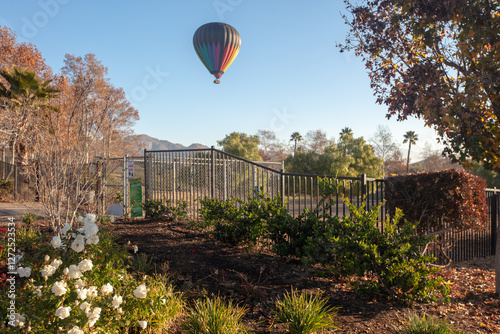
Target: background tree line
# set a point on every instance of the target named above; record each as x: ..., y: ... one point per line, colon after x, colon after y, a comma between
x: 55, y: 125
x: 317, y: 153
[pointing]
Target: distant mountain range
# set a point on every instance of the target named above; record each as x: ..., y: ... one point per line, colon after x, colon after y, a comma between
x: 150, y: 143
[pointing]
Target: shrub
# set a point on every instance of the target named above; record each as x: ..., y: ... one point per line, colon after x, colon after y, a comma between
x: 157, y: 209
x: 237, y: 222
x: 293, y: 236
x: 441, y: 198
x: 29, y: 218
x: 304, y: 313
x: 78, y: 283
x: 390, y: 257
x: 6, y: 189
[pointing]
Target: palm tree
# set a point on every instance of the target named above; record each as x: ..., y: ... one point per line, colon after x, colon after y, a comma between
x: 27, y: 95
x: 346, y: 132
x: 295, y: 137
x: 411, y: 138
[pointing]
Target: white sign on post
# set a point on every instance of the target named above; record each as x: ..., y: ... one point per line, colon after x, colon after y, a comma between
x: 131, y: 169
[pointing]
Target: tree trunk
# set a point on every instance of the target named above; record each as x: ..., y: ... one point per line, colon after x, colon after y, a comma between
x: 408, y: 159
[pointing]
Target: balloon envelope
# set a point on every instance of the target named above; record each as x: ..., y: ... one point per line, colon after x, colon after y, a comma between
x: 216, y: 44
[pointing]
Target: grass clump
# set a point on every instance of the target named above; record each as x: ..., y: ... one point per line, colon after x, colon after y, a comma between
x: 427, y: 325
x: 305, y: 313
x: 213, y: 315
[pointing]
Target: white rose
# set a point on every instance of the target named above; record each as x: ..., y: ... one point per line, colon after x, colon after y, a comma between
x: 66, y: 228
x: 136, y: 249
x: 93, y: 316
x: 84, y: 306
x: 89, y: 218
x: 106, y: 289
x: 46, y: 258
x: 141, y: 291
x: 59, y: 288
x: 90, y: 229
x: 79, y: 283
x: 78, y: 244
x: 117, y: 300
x: 74, y: 272
x: 47, y: 271
x: 63, y: 312
x: 85, y: 265
x: 92, y: 291
x: 56, y: 263
x: 143, y: 324
x: 81, y: 294
x: 56, y: 242
x: 93, y: 239
x: 75, y: 330
x: 24, y: 272
x: 80, y: 219
x: 112, y: 219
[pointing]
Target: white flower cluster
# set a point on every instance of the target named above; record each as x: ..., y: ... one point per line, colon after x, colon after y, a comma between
x: 49, y: 269
x: 73, y: 278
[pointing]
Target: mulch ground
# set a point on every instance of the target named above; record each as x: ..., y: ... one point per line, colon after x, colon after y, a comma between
x: 200, y: 266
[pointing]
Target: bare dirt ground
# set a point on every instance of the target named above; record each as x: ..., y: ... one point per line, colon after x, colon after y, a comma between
x: 200, y: 266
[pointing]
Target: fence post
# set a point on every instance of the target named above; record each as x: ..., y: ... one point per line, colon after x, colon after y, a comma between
x: 3, y: 163
x: 125, y: 183
x: 146, y: 179
x: 212, y: 181
x: 494, y: 218
x: 16, y: 188
x: 364, y: 190
x: 282, y: 185
x: 224, y: 176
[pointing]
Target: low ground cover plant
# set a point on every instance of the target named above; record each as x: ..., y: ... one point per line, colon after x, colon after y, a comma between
x: 427, y: 325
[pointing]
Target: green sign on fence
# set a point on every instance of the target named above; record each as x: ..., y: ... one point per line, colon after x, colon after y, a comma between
x: 135, y: 198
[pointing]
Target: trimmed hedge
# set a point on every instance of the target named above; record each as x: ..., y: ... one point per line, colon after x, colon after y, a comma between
x: 441, y: 199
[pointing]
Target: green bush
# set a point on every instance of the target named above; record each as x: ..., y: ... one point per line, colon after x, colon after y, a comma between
x: 29, y: 218
x: 294, y: 236
x: 237, y: 222
x: 164, y: 210
x: 390, y: 257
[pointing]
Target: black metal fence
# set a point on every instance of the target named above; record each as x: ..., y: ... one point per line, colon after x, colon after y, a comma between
x: 188, y: 175
x: 11, y: 173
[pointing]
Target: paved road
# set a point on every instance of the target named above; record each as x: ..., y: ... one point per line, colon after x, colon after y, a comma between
x: 13, y: 209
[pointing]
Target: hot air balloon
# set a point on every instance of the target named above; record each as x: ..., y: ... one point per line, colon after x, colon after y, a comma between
x: 216, y: 44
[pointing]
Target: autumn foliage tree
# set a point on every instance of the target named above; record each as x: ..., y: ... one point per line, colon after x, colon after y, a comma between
x: 66, y: 136
x: 437, y: 60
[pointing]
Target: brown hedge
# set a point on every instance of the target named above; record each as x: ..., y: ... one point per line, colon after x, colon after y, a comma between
x: 439, y: 199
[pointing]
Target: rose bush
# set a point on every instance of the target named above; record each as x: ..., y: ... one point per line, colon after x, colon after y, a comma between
x: 78, y: 283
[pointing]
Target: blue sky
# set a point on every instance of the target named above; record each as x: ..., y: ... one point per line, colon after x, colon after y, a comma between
x: 289, y: 75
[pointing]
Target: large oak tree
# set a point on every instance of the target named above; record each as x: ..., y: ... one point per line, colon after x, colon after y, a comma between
x: 437, y: 60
